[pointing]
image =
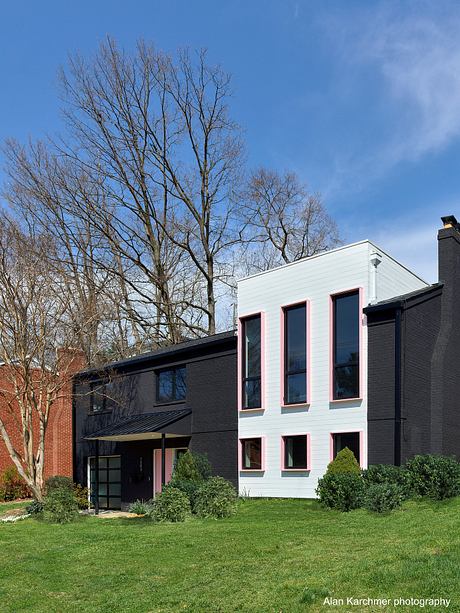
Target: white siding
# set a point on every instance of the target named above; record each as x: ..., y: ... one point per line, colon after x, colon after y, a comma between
x: 313, y: 279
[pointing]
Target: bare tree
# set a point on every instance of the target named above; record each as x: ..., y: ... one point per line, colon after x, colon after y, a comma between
x: 34, y: 322
x: 159, y: 133
x: 284, y: 220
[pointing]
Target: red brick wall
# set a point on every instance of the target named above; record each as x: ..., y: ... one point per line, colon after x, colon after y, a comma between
x: 58, y: 441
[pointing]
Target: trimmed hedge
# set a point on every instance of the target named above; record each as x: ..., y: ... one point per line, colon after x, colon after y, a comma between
x: 378, y: 474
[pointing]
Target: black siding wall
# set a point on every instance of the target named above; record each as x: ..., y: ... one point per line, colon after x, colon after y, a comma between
x: 211, y: 394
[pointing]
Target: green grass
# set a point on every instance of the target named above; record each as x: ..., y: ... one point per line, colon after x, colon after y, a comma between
x: 7, y: 506
x: 275, y: 555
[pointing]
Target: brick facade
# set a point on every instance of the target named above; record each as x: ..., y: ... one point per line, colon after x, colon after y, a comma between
x: 58, y: 440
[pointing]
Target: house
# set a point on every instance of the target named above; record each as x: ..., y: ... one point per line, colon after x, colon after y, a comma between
x: 414, y: 364
x: 58, y: 438
x: 346, y: 348
x: 135, y: 417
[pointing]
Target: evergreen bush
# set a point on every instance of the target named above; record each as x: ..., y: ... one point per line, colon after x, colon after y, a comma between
x: 217, y: 498
x: 434, y: 476
x: 343, y: 463
x: 60, y: 506
x: 383, y: 497
x: 171, y: 505
x: 341, y: 491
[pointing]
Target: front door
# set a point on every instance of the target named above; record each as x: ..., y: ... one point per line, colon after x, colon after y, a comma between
x: 171, y: 457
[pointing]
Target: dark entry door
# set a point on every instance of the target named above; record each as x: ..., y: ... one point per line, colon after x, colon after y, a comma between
x: 109, y: 481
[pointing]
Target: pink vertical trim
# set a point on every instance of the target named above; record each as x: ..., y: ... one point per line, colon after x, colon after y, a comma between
x: 360, y: 291
x: 308, y: 458
x: 240, y: 360
x: 306, y: 302
x: 362, y: 463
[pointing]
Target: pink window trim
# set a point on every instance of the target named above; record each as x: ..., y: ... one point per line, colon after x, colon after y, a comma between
x: 282, y: 346
x: 262, y: 361
x: 262, y: 452
x: 360, y: 291
x: 362, y: 463
x: 283, y: 468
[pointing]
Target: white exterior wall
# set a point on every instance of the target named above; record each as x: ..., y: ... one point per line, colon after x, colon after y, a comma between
x: 313, y: 279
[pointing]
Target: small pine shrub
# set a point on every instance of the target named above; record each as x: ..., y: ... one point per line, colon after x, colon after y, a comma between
x: 343, y: 491
x: 171, y: 505
x: 344, y: 462
x: 192, y: 466
x: 60, y: 506
x: 140, y: 507
x: 434, y: 476
x: 387, y: 473
x: 217, y: 498
x: 34, y: 508
x: 12, y: 485
x: 190, y: 489
x: 383, y: 497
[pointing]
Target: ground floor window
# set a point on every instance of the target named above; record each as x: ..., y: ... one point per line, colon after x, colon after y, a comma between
x: 295, y: 452
x: 109, y: 481
x: 251, y: 453
x: 340, y: 440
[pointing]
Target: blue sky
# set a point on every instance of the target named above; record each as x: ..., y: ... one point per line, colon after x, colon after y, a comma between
x: 361, y: 99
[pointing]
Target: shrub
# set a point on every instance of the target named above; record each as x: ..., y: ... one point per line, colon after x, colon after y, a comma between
x: 140, y: 507
x: 383, y: 497
x: 12, y: 485
x: 81, y: 495
x: 34, y: 508
x: 343, y: 492
x: 192, y: 466
x: 60, y: 505
x: 58, y: 482
x: 171, y: 505
x: 216, y: 497
x: 190, y: 489
x: 434, y: 476
x: 387, y: 473
x: 344, y: 462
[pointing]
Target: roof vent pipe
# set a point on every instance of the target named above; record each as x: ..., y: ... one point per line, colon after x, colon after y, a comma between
x: 375, y: 260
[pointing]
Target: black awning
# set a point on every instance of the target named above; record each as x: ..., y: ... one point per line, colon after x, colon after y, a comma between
x: 138, y: 425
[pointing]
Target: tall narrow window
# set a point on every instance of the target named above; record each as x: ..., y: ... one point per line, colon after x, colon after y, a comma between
x: 346, y: 346
x: 295, y: 354
x: 251, y: 363
x: 251, y: 453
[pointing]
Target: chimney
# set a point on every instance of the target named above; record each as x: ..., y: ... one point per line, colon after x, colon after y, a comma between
x: 449, y: 251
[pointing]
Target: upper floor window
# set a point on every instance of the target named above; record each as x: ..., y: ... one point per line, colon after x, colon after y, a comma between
x: 346, y: 319
x: 295, y: 354
x: 98, y: 398
x: 251, y: 362
x: 171, y: 384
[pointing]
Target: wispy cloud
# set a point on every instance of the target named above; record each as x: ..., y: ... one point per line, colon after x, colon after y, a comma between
x: 410, y: 53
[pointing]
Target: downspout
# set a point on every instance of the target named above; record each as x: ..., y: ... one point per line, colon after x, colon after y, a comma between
x: 375, y: 259
x: 398, y: 403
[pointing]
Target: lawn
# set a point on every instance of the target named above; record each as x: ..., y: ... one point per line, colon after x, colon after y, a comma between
x: 271, y: 557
